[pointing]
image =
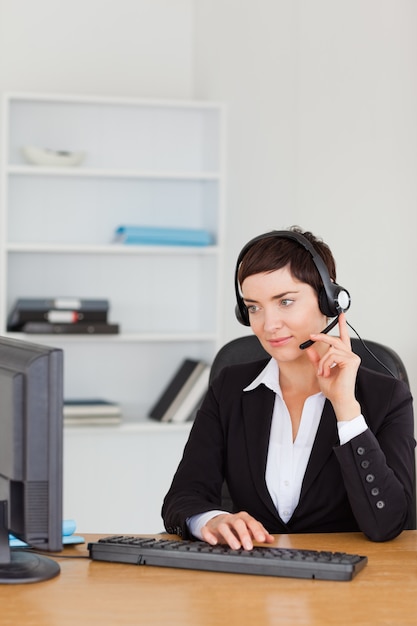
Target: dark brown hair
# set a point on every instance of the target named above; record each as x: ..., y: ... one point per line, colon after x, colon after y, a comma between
x: 274, y: 252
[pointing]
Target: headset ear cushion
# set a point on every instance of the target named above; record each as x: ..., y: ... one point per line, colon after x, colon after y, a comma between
x: 325, y: 305
x: 339, y: 302
x: 242, y: 316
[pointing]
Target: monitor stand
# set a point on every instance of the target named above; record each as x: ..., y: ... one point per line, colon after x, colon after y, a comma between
x: 20, y: 565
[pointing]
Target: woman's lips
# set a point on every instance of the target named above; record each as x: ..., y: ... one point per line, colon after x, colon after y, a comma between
x: 279, y: 342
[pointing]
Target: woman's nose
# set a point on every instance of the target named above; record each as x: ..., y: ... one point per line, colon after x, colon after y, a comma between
x: 272, y: 319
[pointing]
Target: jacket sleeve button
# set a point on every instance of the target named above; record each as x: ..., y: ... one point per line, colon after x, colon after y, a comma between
x: 369, y: 478
x: 380, y: 504
x: 360, y: 450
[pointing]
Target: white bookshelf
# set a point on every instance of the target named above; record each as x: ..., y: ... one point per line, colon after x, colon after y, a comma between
x: 148, y: 162
x: 157, y: 163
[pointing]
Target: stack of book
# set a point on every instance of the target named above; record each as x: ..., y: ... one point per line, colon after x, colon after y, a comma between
x: 183, y: 394
x: 91, y: 411
x: 61, y: 315
x: 142, y: 235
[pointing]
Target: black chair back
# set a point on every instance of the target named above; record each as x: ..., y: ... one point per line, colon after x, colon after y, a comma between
x: 247, y: 349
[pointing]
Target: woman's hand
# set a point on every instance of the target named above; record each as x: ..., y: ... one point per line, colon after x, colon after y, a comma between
x: 336, y: 371
x: 237, y: 530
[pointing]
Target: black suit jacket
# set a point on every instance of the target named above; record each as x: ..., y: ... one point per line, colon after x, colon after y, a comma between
x: 366, y: 484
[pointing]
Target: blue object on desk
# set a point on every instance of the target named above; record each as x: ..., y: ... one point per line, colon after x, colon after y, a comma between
x: 68, y: 537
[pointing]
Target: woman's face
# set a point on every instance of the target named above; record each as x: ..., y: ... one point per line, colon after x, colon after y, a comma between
x: 283, y: 311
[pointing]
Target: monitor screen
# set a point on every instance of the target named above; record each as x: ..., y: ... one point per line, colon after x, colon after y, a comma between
x: 31, y: 433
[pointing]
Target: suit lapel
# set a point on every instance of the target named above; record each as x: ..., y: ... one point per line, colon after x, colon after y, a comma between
x: 326, y: 438
x: 257, y: 407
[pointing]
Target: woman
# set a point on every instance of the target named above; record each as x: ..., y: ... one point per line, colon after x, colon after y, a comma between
x: 307, y: 441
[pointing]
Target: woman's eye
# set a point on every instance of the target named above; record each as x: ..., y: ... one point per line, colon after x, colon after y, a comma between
x: 286, y: 302
x: 253, y: 308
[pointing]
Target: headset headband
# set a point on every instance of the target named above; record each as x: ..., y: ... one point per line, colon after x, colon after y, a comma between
x: 332, y: 302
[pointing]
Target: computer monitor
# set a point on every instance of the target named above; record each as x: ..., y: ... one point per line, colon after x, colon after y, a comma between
x: 31, y: 433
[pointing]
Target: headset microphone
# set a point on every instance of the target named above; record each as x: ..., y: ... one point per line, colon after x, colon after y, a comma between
x: 307, y: 344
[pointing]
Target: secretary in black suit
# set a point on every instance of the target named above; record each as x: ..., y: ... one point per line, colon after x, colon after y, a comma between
x: 307, y: 441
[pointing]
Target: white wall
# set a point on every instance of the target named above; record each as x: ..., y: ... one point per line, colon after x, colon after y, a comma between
x: 323, y: 133
x: 322, y: 117
x: 101, y: 47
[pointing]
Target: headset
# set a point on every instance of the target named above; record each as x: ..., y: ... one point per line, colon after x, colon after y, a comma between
x: 333, y: 299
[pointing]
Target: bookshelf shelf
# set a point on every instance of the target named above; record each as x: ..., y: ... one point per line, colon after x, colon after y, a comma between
x: 61, y: 172
x: 111, y: 249
x: 137, y: 427
x: 121, y: 338
x: 146, y: 425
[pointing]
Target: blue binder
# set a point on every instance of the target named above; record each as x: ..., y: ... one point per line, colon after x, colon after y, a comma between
x: 142, y: 235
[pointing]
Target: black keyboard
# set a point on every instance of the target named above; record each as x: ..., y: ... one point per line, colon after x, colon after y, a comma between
x: 198, y: 555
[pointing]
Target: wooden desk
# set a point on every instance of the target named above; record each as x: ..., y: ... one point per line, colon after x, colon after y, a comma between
x: 87, y: 592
